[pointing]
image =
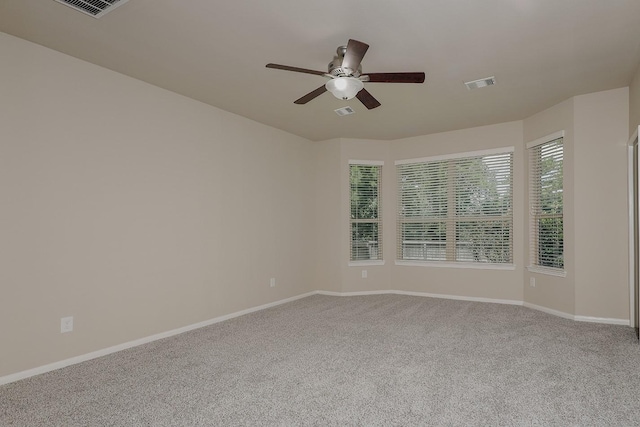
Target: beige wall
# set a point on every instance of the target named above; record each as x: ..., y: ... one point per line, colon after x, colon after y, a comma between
x: 136, y: 210
x: 491, y: 284
x: 595, y: 169
x: 377, y: 275
x: 634, y: 103
x: 595, y: 201
x: 556, y: 293
x: 328, y: 211
x: 600, y: 203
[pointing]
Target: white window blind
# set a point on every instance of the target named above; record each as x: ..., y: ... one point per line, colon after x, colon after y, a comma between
x: 546, y: 227
x: 365, y: 218
x: 457, y: 209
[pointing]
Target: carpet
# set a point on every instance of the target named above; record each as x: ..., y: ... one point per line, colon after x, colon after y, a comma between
x: 372, y: 360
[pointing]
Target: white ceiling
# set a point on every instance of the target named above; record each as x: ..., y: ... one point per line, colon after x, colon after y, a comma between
x: 540, y: 51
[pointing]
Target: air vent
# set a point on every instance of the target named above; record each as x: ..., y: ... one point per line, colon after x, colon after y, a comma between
x: 345, y: 111
x: 487, y: 81
x: 95, y: 8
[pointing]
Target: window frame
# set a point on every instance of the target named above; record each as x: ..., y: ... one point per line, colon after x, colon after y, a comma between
x: 451, y: 238
x: 533, y: 217
x: 378, y: 220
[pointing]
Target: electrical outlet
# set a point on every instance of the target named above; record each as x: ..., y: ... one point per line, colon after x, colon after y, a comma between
x: 364, y: 274
x: 66, y: 324
x: 272, y: 282
x: 532, y: 282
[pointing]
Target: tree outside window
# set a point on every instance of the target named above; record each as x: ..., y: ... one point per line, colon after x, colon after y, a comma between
x: 456, y: 210
x: 546, y: 204
x: 365, y: 218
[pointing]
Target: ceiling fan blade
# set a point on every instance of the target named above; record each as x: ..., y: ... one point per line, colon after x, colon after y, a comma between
x: 393, y: 77
x: 311, y: 95
x: 367, y: 99
x: 295, y: 69
x: 354, y: 54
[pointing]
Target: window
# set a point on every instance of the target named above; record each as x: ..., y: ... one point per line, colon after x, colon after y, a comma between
x: 456, y: 208
x: 546, y: 225
x: 365, y: 219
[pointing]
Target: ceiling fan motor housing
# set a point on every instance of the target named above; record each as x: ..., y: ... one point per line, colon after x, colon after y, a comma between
x: 335, y: 66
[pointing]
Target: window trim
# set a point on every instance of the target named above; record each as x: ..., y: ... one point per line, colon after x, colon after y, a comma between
x: 462, y: 155
x: 545, y: 139
x: 459, y: 264
x: 366, y: 262
x: 550, y: 271
x: 366, y: 162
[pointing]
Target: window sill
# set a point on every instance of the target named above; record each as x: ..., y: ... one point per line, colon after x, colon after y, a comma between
x: 367, y: 262
x: 472, y: 265
x: 547, y: 270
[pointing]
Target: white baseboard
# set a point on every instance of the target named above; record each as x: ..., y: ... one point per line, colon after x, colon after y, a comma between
x: 577, y: 318
x: 109, y: 350
x: 607, y: 320
x: 421, y: 294
x: 105, y: 351
x: 352, y: 294
x: 549, y: 311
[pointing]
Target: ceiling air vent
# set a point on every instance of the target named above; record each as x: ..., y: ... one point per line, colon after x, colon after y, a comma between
x: 95, y: 8
x: 345, y: 111
x: 475, y: 84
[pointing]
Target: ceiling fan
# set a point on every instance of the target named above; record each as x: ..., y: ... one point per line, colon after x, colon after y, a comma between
x: 346, y: 78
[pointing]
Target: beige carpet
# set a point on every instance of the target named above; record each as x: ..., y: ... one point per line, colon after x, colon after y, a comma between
x: 335, y: 361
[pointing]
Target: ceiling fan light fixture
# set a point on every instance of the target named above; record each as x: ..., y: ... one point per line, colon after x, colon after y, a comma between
x: 344, y: 87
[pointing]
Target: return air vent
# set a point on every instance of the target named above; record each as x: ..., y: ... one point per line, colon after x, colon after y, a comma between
x: 487, y: 81
x: 345, y: 111
x: 95, y: 8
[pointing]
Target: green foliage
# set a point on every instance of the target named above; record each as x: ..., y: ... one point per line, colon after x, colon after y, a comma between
x: 365, y: 203
x: 484, y: 195
x: 548, y: 217
x: 550, y: 242
x: 551, y: 184
x: 473, y: 195
x: 364, y: 181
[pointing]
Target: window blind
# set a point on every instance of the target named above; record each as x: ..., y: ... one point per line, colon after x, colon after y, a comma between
x: 546, y: 229
x: 456, y: 210
x: 365, y: 216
